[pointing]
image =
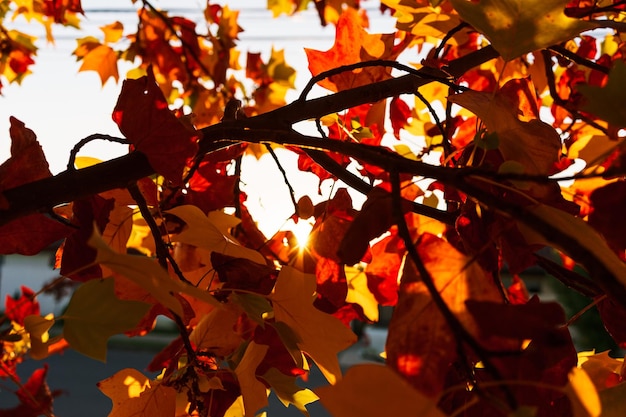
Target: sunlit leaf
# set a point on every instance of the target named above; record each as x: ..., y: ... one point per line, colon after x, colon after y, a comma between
x: 287, y: 391
x: 38, y: 327
x: 359, y: 293
x: 133, y: 394
x: 320, y: 335
x: 582, y: 394
x: 373, y: 391
x: 253, y: 391
x: 516, y: 27
x: 94, y: 314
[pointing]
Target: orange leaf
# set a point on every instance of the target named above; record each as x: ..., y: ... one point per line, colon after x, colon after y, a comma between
x: 352, y: 45
x: 103, y: 60
x: 320, y: 335
x: 143, y: 116
x: 133, y: 394
x: 370, y: 390
x: 420, y: 345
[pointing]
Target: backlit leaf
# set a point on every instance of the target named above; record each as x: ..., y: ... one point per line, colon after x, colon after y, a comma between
x: 94, y: 314
x: 133, y: 394
x: 204, y: 233
x: 352, y: 45
x: 359, y: 293
x: 253, y: 391
x: 370, y: 390
x: 99, y: 58
x: 320, y: 335
x: 420, y: 345
x: 516, y: 27
x: 143, y: 116
x: 607, y: 102
x: 146, y: 273
x: 582, y: 394
x: 287, y: 391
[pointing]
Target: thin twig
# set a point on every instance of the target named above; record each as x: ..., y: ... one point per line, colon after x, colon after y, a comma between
x: 97, y: 136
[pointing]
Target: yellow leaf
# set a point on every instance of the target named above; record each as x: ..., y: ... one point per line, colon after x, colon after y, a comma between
x: 516, y: 27
x: 38, y: 327
x: 85, y: 161
x: 374, y: 391
x: 133, y: 394
x: 146, y: 273
x: 205, y: 232
x: 320, y: 335
x: 582, y: 394
x: 253, y: 391
x: 601, y: 368
x: 216, y: 331
x: 112, y: 32
x: 359, y: 293
x: 94, y: 314
x: 288, y: 392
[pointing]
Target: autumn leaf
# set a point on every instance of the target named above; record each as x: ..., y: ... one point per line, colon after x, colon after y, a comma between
x: 287, y: 391
x: 516, y: 27
x: 97, y: 57
x: 27, y: 235
x: 253, y: 391
x: 133, y: 394
x: 533, y: 144
x: 35, y: 397
x: 94, y: 314
x: 38, y: 327
x: 143, y: 116
x: 582, y: 394
x: 607, y: 102
x: 370, y: 390
x: 112, y: 32
x: 352, y: 45
x: 206, y: 234
x: 17, y: 309
x: 217, y: 331
x: 359, y: 292
x: 320, y: 335
x: 149, y: 275
x: 421, y: 345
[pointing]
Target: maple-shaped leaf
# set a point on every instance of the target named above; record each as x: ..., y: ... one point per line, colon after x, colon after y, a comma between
x: 370, y: 390
x: 94, y: 314
x: 287, y: 391
x: 143, y: 116
x: 253, y: 391
x: 35, y: 397
x: 97, y: 57
x: 319, y: 335
x: 533, y: 144
x: 204, y: 233
x: 146, y: 273
x: 603, y: 370
x: 217, y: 331
x: 420, y: 344
x: 133, y: 394
x: 607, y: 102
x: 516, y: 27
x: 26, y: 235
x: 17, y: 309
x: 352, y: 45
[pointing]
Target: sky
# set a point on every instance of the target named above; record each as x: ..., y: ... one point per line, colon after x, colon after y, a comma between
x: 63, y: 106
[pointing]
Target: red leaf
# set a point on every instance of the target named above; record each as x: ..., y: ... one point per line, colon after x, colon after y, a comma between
x: 17, y: 309
x: 607, y: 215
x: 382, y: 272
x: 211, y: 188
x: 35, y: 397
x: 243, y: 274
x: 27, y: 235
x: 143, y: 116
x: 399, y: 113
x: 614, y: 316
x: 277, y: 355
x: 75, y: 254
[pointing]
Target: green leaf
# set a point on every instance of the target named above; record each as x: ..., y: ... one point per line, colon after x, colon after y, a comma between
x: 608, y: 102
x: 94, y: 314
x: 516, y: 27
x: 255, y: 306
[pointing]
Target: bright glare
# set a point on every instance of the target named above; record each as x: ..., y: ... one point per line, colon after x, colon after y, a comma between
x: 302, y: 230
